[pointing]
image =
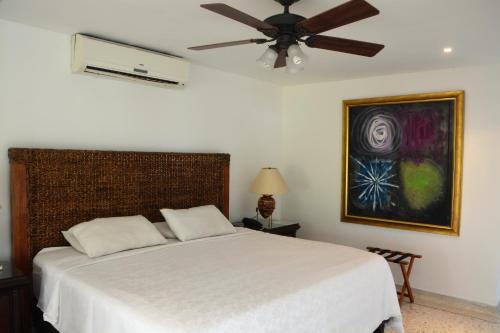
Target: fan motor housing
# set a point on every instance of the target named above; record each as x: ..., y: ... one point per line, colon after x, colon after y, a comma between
x: 286, y: 23
x: 287, y: 33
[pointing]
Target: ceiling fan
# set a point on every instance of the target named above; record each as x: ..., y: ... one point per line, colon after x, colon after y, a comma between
x: 288, y: 30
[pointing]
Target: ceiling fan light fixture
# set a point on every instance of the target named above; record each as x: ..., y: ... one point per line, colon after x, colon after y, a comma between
x: 268, y: 58
x: 292, y: 67
x: 296, y: 55
x: 296, y: 59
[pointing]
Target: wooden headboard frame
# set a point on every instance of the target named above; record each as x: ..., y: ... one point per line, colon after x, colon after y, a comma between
x: 52, y: 190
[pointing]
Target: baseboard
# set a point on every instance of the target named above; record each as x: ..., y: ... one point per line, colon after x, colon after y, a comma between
x: 457, y: 305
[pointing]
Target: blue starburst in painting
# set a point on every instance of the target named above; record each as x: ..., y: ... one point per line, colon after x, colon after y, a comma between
x: 373, y: 181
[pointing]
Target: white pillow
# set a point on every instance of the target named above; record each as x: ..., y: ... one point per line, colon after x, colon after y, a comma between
x: 72, y: 241
x: 197, y: 222
x: 114, y: 234
x: 164, y: 229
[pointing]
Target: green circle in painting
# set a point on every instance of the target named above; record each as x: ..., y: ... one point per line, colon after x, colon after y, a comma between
x: 422, y: 183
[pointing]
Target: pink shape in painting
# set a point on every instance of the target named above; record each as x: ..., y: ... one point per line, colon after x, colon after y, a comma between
x: 418, y: 133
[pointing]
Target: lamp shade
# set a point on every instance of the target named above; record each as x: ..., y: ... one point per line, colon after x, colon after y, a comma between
x: 295, y: 62
x: 269, y: 181
x: 268, y: 58
x: 296, y: 55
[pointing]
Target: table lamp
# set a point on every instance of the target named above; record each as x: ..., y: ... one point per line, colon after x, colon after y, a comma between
x: 268, y: 182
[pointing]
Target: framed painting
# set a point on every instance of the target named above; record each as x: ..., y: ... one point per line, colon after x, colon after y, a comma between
x: 402, y: 161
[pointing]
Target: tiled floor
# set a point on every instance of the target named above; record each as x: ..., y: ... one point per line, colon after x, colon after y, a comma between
x: 438, y: 314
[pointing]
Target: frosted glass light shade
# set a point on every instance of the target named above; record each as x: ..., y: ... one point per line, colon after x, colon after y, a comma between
x: 268, y: 58
x: 269, y: 181
x: 296, y: 55
x: 293, y: 68
x: 296, y: 60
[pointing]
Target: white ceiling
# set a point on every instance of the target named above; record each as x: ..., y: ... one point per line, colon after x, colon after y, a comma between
x: 414, y: 32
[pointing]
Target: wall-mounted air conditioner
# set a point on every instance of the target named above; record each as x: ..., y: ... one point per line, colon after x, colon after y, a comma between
x: 104, y: 58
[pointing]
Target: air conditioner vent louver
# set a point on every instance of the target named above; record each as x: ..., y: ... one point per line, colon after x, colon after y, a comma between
x: 112, y: 73
x: 109, y: 59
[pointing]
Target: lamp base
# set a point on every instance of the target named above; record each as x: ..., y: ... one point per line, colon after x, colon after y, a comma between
x: 266, y: 205
x: 269, y: 220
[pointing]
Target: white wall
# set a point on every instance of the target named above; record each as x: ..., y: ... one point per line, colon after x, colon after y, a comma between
x: 43, y: 105
x: 465, y: 267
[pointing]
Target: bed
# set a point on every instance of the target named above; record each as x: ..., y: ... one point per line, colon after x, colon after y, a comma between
x: 243, y: 282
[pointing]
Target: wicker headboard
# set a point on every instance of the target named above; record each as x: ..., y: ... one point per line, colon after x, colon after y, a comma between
x: 52, y: 190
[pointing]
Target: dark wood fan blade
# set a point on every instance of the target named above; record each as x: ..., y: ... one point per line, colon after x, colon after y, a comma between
x: 215, y: 46
x: 239, y: 16
x: 349, y: 12
x: 344, y: 45
x: 281, y: 60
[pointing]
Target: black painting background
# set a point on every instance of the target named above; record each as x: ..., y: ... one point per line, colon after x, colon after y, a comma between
x: 439, y: 213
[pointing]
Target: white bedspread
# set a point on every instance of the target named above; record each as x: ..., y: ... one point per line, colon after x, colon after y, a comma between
x: 244, y: 282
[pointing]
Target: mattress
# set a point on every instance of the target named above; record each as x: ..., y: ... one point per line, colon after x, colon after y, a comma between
x: 244, y: 282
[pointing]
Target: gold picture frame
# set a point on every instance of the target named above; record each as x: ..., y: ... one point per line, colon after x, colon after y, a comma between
x: 360, y: 136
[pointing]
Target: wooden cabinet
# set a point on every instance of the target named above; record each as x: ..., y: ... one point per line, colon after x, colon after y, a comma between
x: 287, y: 229
x: 15, y: 300
x: 282, y: 228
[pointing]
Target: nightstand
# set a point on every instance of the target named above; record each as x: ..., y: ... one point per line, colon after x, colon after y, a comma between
x: 15, y: 300
x: 283, y: 228
x: 280, y: 227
